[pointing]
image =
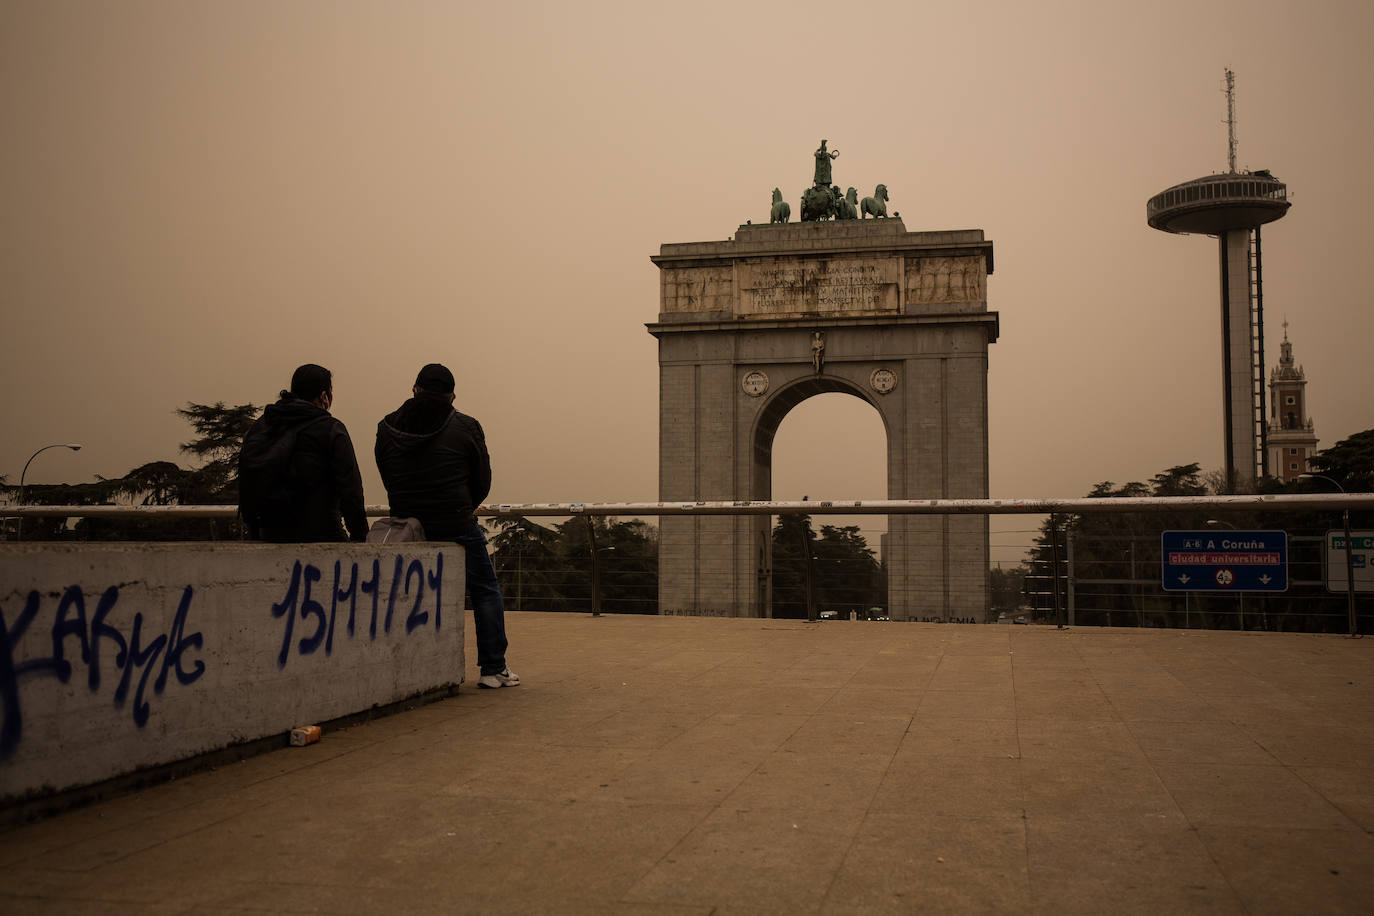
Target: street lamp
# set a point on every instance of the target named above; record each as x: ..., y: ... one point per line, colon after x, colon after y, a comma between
x: 19, y: 523
x: 1240, y: 596
x: 1349, y: 557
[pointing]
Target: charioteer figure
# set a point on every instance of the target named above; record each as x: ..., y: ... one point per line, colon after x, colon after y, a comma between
x: 823, y: 160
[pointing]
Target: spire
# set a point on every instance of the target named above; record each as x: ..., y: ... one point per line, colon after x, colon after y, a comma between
x: 1285, y: 368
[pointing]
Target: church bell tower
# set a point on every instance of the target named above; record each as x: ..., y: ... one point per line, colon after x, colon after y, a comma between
x: 1291, y: 437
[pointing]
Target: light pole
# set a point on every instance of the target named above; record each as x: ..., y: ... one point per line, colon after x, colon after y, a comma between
x: 1240, y: 596
x: 19, y: 522
x: 1349, y: 556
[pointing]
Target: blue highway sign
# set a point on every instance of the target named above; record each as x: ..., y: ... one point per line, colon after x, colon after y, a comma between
x: 1224, y: 561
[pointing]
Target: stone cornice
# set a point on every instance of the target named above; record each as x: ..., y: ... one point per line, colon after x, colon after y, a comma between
x: 822, y: 239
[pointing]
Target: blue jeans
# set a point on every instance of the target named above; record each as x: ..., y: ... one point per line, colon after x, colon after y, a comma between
x: 488, y: 613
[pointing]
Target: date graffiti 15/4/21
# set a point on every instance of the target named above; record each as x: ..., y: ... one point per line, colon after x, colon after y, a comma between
x: 411, y: 584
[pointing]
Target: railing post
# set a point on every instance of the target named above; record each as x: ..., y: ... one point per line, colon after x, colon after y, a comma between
x: 810, y: 565
x: 596, y: 566
x: 1068, y: 554
x: 1054, y: 570
x: 1350, y: 575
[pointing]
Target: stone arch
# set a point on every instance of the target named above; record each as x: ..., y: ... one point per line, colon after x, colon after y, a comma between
x: 751, y: 327
x: 776, y: 409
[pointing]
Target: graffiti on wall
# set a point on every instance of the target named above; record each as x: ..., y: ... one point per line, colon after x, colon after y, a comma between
x: 69, y: 632
x: 299, y: 602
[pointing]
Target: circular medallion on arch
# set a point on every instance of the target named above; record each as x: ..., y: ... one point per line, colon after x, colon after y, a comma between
x: 883, y: 380
x: 755, y: 383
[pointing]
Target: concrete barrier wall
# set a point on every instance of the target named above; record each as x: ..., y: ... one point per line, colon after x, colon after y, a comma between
x: 116, y: 657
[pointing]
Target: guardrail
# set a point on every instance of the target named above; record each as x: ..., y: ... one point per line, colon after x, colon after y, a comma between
x: 1077, y: 506
x: 602, y: 575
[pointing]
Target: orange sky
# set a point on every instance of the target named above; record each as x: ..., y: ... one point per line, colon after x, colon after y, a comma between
x: 200, y: 196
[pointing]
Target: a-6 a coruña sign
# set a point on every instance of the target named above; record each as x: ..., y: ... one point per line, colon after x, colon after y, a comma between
x: 1224, y: 561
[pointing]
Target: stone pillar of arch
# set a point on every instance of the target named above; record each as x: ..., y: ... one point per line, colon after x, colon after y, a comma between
x: 750, y: 327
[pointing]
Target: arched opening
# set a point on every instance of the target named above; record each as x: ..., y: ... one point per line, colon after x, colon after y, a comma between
x: 822, y: 440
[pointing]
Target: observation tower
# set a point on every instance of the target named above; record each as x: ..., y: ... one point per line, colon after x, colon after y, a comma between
x: 1232, y: 207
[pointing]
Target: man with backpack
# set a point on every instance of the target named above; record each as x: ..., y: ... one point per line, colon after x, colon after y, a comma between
x: 435, y: 466
x: 297, y: 469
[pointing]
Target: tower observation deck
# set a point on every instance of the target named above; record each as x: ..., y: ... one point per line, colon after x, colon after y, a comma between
x: 1232, y: 207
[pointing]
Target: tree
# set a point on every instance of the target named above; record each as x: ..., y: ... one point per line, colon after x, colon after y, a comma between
x: 1005, y: 587
x: 525, y: 557
x: 550, y: 569
x: 219, y: 437
x: 847, y: 575
x: 793, y: 536
x: 1117, y: 562
x: 1114, y: 552
x: 1180, y: 480
x: 1350, y: 462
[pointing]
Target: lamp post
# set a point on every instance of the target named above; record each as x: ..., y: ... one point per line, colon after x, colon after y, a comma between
x: 596, y: 565
x: 19, y: 522
x: 1349, y: 556
x: 1240, y: 596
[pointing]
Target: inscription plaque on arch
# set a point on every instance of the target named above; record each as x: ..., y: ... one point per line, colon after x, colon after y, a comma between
x: 783, y: 286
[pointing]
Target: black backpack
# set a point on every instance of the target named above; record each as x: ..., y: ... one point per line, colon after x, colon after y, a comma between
x: 269, y: 488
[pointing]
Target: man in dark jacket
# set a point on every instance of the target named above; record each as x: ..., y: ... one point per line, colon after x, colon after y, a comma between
x: 297, y: 468
x: 435, y: 466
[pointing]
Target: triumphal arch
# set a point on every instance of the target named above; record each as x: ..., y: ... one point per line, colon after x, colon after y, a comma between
x: 752, y: 326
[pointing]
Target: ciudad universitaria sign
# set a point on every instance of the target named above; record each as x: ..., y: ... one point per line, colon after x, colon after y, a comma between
x: 1224, y: 561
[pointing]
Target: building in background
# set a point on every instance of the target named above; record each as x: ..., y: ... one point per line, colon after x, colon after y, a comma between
x: 1291, y: 436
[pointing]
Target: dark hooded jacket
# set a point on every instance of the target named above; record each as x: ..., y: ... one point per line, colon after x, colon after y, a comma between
x: 324, y: 468
x: 434, y: 464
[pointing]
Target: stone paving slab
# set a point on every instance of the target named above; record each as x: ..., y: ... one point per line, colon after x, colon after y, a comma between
x: 676, y: 766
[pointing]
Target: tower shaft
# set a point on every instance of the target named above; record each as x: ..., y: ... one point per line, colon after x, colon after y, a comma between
x: 1242, y: 387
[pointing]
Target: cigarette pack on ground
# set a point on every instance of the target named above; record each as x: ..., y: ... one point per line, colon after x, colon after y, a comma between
x: 305, y: 734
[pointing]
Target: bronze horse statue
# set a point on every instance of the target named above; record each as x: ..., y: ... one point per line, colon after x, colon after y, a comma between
x: 877, y: 204
x: 782, y: 210
x: 849, y: 207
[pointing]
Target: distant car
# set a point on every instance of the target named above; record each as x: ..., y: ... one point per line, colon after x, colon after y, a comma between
x: 1022, y: 620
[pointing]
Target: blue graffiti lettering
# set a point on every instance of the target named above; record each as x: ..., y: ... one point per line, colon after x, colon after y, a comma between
x: 287, y: 609
x: 70, y: 621
x: 408, y: 580
x: 416, y: 619
x: 102, y: 630
x: 436, y: 583
x: 395, y: 586
x: 312, y: 608
x: 373, y: 587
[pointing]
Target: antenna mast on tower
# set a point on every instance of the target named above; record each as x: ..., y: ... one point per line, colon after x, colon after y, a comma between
x: 1231, y: 120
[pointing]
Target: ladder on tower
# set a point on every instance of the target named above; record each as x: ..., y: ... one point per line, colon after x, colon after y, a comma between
x: 1257, y: 380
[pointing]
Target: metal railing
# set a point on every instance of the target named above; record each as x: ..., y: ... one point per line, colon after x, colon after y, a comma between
x: 605, y: 580
x: 1282, y: 502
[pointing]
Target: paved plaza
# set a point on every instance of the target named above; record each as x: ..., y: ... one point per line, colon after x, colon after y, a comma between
x: 683, y: 767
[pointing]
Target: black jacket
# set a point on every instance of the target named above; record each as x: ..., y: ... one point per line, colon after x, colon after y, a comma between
x: 434, y: 464
x: 325, y: 467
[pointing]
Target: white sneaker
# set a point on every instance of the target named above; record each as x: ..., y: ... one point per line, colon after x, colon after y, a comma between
x: 507, y: 678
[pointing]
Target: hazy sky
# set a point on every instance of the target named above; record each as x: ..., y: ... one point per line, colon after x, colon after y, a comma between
x: 197, y: 197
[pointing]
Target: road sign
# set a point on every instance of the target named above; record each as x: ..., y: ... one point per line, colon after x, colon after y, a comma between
x: 1222, y: 560
x: 1361, y: 555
